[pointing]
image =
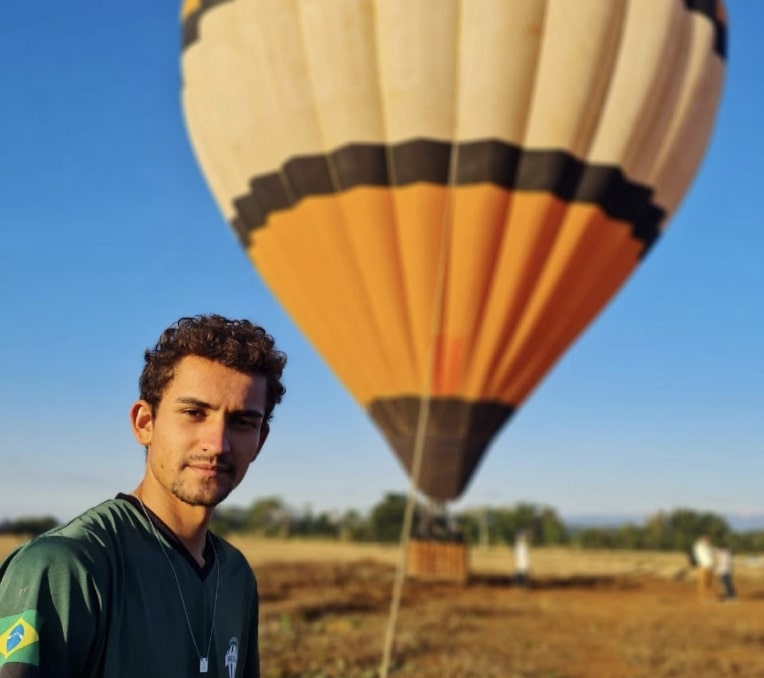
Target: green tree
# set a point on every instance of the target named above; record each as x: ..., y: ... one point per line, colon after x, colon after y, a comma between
x: 269, y: 517
x: 657, y: 532
x: 227, y: 519
x: 308, y: 525
x: 28, y: 525
x: 475, y: 526
x: 747, y: 542
x: 683, y: 526
x: 354, y: 527
x: 386, y: 518
x: 551, y: 528
x: 542, y: 523
x: 631, y: 536
x: 595, y: 538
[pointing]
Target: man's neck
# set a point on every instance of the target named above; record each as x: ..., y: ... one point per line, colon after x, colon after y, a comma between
x: 188, y: 523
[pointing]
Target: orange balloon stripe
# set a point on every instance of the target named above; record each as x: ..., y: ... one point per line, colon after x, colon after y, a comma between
x: 479, y: 215
x: 591, y: 258
x: 506, y: 323
x: 305, y: 257
x: 545, y: 276
x: 528, y: 234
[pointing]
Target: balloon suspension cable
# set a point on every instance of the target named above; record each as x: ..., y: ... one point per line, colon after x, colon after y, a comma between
x: 419, y: 442
x: 408, y: 519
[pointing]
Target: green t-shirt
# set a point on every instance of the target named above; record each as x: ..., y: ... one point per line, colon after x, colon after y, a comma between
x: 96, y: 598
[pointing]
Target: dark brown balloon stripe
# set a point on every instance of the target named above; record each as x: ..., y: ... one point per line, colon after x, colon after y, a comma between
x: 458, y: 434
x: 429, y: 161
x: 713, y: 9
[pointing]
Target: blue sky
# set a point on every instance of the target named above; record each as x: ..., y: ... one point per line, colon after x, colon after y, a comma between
x: 109, y: 234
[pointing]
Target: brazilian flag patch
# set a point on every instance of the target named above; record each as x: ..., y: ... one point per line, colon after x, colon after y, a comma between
x: 19, y: 640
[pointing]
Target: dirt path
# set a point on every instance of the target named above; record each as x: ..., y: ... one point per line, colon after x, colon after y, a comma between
x: 329, y: 619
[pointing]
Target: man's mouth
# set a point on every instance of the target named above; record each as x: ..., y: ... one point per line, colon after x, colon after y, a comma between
x: 210, y: 470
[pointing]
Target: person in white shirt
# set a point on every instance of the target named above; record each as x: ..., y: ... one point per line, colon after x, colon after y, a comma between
x: 522, y: 559
x: 704, y: 558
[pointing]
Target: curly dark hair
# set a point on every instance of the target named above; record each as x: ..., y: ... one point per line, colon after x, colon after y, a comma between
x: 237, y: 344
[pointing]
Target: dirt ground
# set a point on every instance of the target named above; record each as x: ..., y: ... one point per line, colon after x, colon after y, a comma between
x: 325, y: 610
x: 608, y: 615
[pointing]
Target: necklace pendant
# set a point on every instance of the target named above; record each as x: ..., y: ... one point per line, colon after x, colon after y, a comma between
x: 203, y: 664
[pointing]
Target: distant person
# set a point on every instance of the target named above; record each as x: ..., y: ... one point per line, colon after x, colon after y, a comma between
x: 703, y: 552
x: 522, y: 560
x: 137, y: 586
x: 724, y: 571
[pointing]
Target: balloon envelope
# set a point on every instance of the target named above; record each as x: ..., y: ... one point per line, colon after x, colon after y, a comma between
x: 443, y: 194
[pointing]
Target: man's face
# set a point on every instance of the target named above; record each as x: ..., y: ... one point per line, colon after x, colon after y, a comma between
x: 207, y: 429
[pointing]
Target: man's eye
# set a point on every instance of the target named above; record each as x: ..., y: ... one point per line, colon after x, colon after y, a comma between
x: 243, y: 423
x: 193, y: 413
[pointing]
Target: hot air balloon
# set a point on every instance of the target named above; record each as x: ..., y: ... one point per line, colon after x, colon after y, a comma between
x: 443, y: 194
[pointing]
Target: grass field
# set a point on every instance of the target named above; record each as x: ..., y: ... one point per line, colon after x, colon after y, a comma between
x: 494, y: 560
x: 612, y: 614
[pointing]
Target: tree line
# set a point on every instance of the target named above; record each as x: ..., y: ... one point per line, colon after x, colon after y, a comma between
x: 674, y: 530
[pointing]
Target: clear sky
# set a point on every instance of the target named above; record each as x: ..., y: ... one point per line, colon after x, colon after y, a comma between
x: 109, y: 234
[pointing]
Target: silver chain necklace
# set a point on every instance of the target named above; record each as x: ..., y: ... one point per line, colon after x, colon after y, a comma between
x: 203, y: 660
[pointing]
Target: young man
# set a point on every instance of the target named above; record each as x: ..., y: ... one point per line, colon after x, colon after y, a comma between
x: 137, y: 586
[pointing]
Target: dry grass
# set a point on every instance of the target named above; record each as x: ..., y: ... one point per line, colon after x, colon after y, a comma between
x: 494, y: 560
x: 617, y: 614
x: 8, y: 543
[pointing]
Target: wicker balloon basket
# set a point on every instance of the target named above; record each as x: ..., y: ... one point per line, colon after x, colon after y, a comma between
x: 445, y: 561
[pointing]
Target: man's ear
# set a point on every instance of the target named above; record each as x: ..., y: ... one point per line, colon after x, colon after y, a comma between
x: 265, y: 429
x: 142, y: 422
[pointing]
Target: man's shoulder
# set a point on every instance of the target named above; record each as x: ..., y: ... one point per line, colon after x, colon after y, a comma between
x: 232, y: 555
x: 227, y: 549
x: 100, y: 523
x: 105, y: 516
x: 82, y: 539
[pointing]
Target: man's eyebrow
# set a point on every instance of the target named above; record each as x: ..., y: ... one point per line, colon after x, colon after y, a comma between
x: 188, y: 400
x: 195, y: 402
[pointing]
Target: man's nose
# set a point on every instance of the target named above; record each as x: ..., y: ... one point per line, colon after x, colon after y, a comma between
x: 216, y: 438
